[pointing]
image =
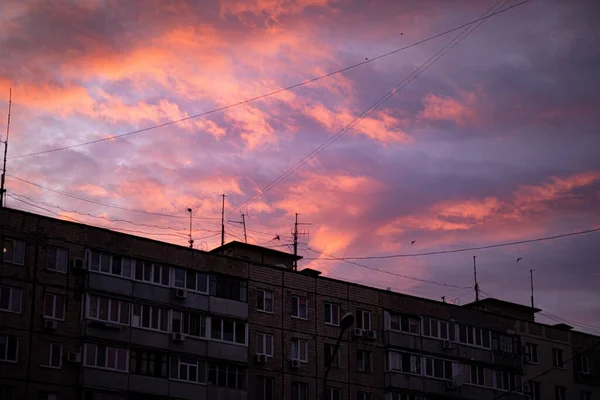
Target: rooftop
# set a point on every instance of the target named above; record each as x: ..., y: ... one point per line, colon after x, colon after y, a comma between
x: 241, y: 245
x: 502, y: 303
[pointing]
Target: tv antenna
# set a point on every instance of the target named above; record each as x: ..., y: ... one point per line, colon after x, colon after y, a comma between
x: 296, y: 233
x: 191, y: 241
x: 2, y: 179
x: 243, y: 223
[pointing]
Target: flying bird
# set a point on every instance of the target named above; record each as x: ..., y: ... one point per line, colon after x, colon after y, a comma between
x: 413, y: 242
x: 519, y: 259
x: 276, y: 237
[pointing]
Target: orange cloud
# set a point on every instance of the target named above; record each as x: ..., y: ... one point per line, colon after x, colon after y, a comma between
x: 444, y: 108
x: 271, y: 8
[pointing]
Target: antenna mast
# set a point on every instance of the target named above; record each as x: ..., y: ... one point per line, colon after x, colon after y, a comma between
x: 244, y: 225
x: 475, y: 275
x: 296, y: 234
x: 191, y: 241
x: 531, y: 273
x: 2, y: 179
x: 223, y: 221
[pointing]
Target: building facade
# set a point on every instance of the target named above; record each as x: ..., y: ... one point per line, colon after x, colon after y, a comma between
x: 88, y: 313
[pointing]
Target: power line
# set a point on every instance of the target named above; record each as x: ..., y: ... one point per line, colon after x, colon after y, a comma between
x: 272, y: 93
x: 346, y: 128
x: 388, y: 272
x: 432, y: 253
x: 107, y: 218
x: 104, y: 203
x: 575, y: 323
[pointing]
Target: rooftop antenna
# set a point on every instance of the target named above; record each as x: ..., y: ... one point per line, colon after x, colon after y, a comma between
x: 2, y: 179
x: 531, y: 273
x: 191, y: 241
x: 475, y: 275
x: 223, y: 221
x: 296, y: 234
x: 243, y: 222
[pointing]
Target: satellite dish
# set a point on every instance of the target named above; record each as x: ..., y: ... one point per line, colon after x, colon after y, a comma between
x: 458, y: 380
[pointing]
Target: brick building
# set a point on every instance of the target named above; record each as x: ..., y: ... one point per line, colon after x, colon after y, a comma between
x: 88, y: 313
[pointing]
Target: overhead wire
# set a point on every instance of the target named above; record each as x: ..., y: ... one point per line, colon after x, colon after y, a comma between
x: 346, y: 128
x: 272, y: 93
x: 391, y: 273
x: 491, y: 246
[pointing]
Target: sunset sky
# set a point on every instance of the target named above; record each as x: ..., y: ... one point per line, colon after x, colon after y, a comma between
x: 497, y: 141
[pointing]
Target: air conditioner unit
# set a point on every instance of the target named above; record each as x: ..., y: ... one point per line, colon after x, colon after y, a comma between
x: 50, y: 324
x: 181, y: 294
x: 261, y: 358
x: 372, y: 335
x: 295, y: 364
x: 74, y: 357
x: 358, y: 332
x: 178, y: 337
x: 450, y: 385
x: 446, y: 344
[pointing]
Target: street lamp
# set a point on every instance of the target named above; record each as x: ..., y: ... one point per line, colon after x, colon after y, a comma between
x: 345, y: 324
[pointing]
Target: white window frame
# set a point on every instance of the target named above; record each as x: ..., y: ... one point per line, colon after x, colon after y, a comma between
x: 296, y: 307
x: 299, y: 350
x: 474, y: 330
x: 183, y: 284
x: 334, y: 393
x: 52, y: 348
x: 364, y: 396
x: 586, y: 395
x: 188, y: 362
x: 412, y: 321
x: 239, y: 372
x: 443, y: 328
x: 395, y: 358
x: 532, y: 353
x: 267, y: 389
x: 54, y: 310
x: 7, y: 339
x: 454, y: 365
x: 102, y: 256
x: 111, y: 302
x: 263, y: 307
x: 558, y: 359
x: 150, y: 280
x: 117, y: 350
x: 14, y: 243
x: 302, y: 390
x: 364, y: 316
x: 266, y: 341
x: 586, y: 364
x: 13, y: 293
x: 140, y: 321
x: 182, y: 316
x: 562, y: 390
x: 364, y: 368
x: 330, y: 314
x: 57, y: 267
x: 221, y: 321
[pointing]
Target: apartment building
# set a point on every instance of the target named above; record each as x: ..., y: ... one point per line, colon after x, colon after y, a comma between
x: 88, y: 313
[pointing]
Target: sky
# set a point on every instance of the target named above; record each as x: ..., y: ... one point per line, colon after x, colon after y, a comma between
x: 494, y: 142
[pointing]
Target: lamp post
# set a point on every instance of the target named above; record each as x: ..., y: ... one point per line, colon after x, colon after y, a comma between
x: 345, y: 324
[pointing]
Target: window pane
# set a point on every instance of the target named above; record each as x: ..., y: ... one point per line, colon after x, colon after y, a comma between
x: 49, y: 305
x: 202, y: 282
x: 191, y: 280
x: 240, y: 333
x: 179, y: 278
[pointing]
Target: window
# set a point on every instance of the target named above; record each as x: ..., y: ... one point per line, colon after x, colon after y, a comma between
x: 480, y: 376
x: 57, y: 259
x: 474, y: 336
x: 332, y: 314
x: 402, y: 396
x: 108, y: 264
x: 585, y: 395
x: 299, y: 350
x: 188, y: 323
x: 504, y: 343
x: 334, y: 393
x: 264, y: 301
x: 560, y: 393
x: 557, y: 358
x: 51, y: 355
x: 438, y: 329
x: 583, y: 364
x: 228, y: 376
x: 107, y: 309
x: 364, y: 396
x: 9, y: 348
x: 403, y: 362
x: 150, y: 317
x: 299, y: 307
x: 265, y: 388
x: 149, y: 363
x: 534, y: 391
x: 532, y: 353
x: 188, y: 279
x: 228, y: 287
x: 147, y: 271
x: 364, y: 319
x: 228, y: 330
x: 264, y: 344
x: 507, y: 380
x: 363, y: 361
x: 438, y: 368
x: 14, y: 251
x: 7, y: 392
x: 10, y: 299
x: 187, y: 369
x: 106, y: 357
x: 299, y: 391
x: 329, y: 357
x: 54, y: 306
x: 404, y: 323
